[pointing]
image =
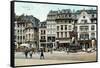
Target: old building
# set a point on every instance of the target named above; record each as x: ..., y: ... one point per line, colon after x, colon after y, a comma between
x: 51, y: 28
x: 86, y: 27
x: 62, y: 22
x: 42, y: 35
x: 26, y: 30
x: 19, y: 30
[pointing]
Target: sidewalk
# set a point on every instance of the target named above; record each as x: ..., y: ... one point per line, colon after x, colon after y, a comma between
x: 22, y: 62
x: 55, y: 57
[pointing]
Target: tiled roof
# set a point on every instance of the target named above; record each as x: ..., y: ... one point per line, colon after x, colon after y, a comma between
x: 29, y: 18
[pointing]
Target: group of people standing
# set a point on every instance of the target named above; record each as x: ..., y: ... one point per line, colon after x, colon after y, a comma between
x: 26, y: 52
x: 29, y: 51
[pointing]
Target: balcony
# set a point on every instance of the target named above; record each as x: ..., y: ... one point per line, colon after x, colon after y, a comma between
x: 84, y: 30
x: 64, y: 18
x: 42, y: 40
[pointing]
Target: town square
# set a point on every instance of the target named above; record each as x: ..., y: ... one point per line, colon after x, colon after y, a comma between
x: 54, y: 34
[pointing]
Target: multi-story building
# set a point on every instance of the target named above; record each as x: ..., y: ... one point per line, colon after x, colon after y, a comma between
x: 64, y: 21
x: 51, y: 28
x: 60, y: 23
x: 55, y: 31
x: 31, y: 31
x: 26, y: 30
x: 86, y: 23
x: 19, y: 30
x: 43, y: 35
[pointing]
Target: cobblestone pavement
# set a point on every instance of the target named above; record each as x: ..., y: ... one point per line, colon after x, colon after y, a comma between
x: 55, y: 57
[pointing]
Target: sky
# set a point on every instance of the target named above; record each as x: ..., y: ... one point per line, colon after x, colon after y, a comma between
x: 40, y: 11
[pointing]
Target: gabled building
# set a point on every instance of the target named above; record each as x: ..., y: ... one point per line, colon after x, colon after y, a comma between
x: 86, y: 27
x: 27, y: 30
x: 62, y: 22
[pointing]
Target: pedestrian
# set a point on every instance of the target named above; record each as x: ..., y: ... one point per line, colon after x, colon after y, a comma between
x: 26, y: 52
x: 41, y: 54
x: 31, y: 52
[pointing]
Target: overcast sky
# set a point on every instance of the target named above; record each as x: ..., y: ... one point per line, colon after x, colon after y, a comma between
x: 40, y: 11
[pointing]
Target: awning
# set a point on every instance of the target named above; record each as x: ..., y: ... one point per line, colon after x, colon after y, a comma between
x: 64, y: 41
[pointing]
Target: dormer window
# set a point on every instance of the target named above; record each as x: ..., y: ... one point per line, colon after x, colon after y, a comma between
x: 83, y: 21
x: 83, y: 16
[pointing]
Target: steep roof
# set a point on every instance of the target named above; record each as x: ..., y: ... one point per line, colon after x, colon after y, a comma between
x: 90, y: 11
x: 27, y: 19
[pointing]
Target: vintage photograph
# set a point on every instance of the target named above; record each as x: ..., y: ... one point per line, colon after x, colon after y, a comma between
x: 51, y: 33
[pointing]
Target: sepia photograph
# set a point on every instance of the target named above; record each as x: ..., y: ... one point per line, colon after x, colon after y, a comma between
x: 54, y: 33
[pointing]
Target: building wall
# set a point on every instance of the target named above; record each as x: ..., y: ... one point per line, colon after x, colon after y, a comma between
x: 89, y: 24
x: 19, y: 33
x: 26, y: 31
x: 82, y: 20
x: 41, y: 35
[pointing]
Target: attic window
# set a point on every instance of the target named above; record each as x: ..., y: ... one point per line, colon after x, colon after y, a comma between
x: 83, y: 16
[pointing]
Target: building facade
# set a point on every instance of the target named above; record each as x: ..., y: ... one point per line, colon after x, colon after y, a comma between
x: 26, y: 30
x: 60, y: 23
x: 43, y: 35
x: 55, y: 32
x: 64, y: 24
x: 51, y: 29
x: 86, y: 27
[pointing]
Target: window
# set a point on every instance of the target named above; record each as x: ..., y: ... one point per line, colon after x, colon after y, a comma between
x: 83, y: 16
x: 57, y: 34
x: 84, y: 36
x: 92, y: 27
x: 29, y: 36
x: 41, y: 32
x: 20, y: 37
x: 57, y: 27
x: 65, y: 21
x: 75, y: 28
x: 65, y: 27
x: 83, y: 21
x: 69, y: 27
x: 18, y: 25
x: 65, y: 34
x: 61, y: 27
x: 44, y: 31
x: 42, y: 37
x: 61, y: 34
x: 49, y: 39
x: 69, y: 21
x: 92, y: 15
x: 18, y: 31
x: 92, y: 35
x: 84, y: 28
x: 69, y: 15
x: 53, y: 39
x: 92, y: 21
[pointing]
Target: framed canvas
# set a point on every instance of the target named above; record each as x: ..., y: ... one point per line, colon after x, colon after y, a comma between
x: 45, y: 33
